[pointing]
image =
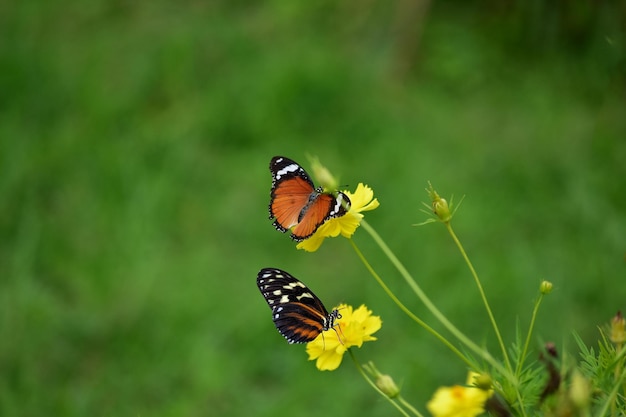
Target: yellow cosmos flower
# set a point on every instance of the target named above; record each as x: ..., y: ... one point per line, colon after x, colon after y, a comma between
x: 361, y: 200
x: 354, y: 327
x: 459, y: 401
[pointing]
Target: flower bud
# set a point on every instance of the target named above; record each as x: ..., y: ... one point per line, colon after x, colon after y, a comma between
x: 482, y: 381
x: 439, y: 205
x: 386, y: 384
x: 618, y: 329
x: 545, y: 287
x: 441, y: 209
x: 323, y: 175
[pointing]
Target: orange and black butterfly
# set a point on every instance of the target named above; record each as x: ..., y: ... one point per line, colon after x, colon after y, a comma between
x: 297, y: 313
x: 296, y: 203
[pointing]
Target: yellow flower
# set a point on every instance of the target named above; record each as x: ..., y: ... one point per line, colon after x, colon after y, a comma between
x: 354, y: 327
x: 361, y: 200
x: 459, y: 401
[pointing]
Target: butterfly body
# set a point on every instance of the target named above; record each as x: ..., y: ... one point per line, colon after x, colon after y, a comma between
x: 295, y: 202
x: 298, y: 313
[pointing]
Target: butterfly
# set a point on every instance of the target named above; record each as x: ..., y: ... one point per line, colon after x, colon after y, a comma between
x: 297, y: 313
x: 296, y: 203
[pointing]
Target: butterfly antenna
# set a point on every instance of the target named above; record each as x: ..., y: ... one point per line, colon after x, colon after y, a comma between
x: 338, y: 337
x: 338, y: 316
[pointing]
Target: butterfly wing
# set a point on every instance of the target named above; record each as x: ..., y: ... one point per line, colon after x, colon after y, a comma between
x: 297, y: 313
x: 291, y: 190
x: 295, y: 202
x: 322, y: 208
x: 289, y: 198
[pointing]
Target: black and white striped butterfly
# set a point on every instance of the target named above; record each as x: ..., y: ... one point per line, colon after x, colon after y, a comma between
x: 297, y: 313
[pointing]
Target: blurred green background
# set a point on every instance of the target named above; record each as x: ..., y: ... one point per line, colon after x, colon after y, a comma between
x: 135, y: 140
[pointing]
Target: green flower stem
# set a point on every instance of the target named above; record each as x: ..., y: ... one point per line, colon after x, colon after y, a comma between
x: 522, y: 358
x: 430, y: 306
x: 406, y: 310
x: 513, y: 377
x: 482, y: 294
x: 369, y: 381
x: 406, y: 404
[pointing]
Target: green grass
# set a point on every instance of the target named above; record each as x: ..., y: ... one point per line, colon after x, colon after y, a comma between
x: 134, y: 145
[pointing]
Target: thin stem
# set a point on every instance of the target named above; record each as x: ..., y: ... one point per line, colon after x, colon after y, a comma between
x: 406, y: 310
x: 482, y: 294
x: 512, y: 378
x: 522, y: 358
x: 409, y: 406
x: 369, y: 381
x: 430, y: 306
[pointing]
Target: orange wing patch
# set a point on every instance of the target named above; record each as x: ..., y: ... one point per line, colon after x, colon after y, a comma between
x: 314, y: 216
x: 288, y: 200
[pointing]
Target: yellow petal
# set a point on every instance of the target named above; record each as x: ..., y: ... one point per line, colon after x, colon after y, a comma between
x: 328, y: 361
x: 372, y: 325
x: 331, y: 228
x: 361, y: 196
x: 311, y: 244
x: 371, y: 206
